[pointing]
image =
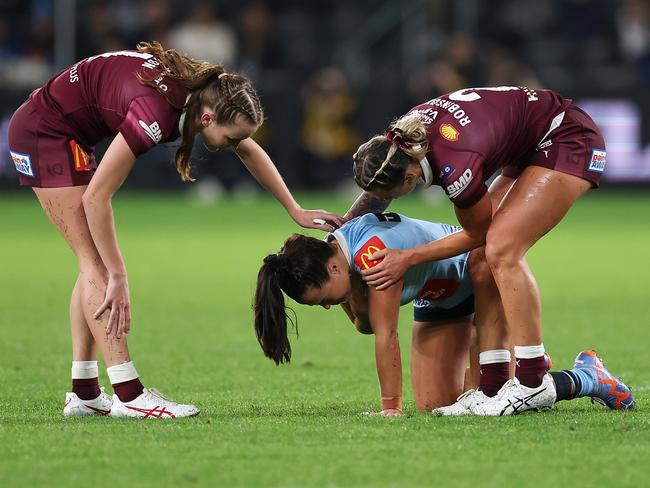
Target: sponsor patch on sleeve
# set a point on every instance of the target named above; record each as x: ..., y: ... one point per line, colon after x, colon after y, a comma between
x: 23, y: 164
x: 362, y: 257
x: 437, y: 290
x: 458, y: 186
x: 597, y: 162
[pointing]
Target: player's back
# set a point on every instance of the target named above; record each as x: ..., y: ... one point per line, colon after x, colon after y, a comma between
x: 499, y: 123
x: 446, y: 281
x: 90, y: 100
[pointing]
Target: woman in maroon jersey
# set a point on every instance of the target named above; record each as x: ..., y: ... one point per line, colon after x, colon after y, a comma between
x: 549, y: 152
x: 141, y: 98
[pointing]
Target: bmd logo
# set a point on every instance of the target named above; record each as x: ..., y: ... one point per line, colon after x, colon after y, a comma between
x: 457, y: 187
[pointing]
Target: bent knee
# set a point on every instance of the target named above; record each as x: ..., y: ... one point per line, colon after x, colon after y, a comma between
x: 479, y: 270
x: 502, y: 252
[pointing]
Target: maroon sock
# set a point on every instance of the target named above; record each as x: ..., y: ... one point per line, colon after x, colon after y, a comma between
x: 86, y: 389
x: 530, y: 372
x: 493, y: 377
x: 128, y: 390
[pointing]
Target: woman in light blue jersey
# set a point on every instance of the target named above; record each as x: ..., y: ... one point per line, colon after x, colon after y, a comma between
x: 326, y: 273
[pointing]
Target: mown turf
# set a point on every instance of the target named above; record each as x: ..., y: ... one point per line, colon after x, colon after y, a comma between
x: 192, y: 272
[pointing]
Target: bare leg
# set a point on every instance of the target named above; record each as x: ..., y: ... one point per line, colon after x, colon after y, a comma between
x: 439, y: 354
x: 473, y: 373
x: 83, y: 342
x: 537, y: 201
x: 64, y: 208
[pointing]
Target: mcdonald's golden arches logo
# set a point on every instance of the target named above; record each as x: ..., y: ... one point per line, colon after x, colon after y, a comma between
x: 362, y: 258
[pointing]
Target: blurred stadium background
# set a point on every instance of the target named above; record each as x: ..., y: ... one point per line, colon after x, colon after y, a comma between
x: 332, y: 72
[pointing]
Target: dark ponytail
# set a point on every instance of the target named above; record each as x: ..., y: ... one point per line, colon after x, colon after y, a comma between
x: 301, y: 263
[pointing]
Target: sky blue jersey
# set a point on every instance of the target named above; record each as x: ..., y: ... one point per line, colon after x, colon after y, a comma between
x: 444, y: 283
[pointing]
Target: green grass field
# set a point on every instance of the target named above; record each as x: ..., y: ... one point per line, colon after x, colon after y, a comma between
x: 192, y: 273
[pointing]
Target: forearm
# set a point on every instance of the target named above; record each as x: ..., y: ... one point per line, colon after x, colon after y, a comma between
x: 389, y: 370
x: 258, y: 162
x: 366, y: 203
x: 452, y: 245
x: 99, y: 215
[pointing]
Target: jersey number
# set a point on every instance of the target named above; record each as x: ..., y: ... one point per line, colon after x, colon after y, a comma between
x: 388, y: 217
x: 470, y: 95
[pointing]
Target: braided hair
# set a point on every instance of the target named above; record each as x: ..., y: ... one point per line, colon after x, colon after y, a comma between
x: 381, y: 162
x: 300, y: 263
x: 227, y: 94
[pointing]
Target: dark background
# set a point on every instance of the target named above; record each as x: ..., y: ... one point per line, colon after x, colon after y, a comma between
x: 333, y: 72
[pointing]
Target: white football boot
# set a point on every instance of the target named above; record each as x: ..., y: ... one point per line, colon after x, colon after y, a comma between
x: 75, y: 406
x: 463, y: 405
x: 514, y: 398
x: 151, y: 405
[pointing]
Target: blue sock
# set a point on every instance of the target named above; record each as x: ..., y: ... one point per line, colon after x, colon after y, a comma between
x: 586, y: 382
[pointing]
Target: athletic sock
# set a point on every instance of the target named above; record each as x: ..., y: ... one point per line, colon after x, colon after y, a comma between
x: 495, y: 370
x: 85, y: 382
x: 586, y: 383
x: 531, y: 365
x: 125, y: 381
x: 567, y: 384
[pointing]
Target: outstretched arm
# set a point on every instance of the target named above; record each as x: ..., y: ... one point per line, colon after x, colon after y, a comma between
x: 366, y: 203
x: 262, y: 168
x: 475, y: 221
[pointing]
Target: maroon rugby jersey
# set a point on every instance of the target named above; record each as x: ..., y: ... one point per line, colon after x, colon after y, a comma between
x: 474, y: 132
x: 101, y: 96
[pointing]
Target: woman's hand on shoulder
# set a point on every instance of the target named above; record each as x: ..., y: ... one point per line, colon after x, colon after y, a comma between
x: 393, y: 266
x: 316, y: 219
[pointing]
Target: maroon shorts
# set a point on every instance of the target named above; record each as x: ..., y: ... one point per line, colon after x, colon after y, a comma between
x: 42, y: 156
x: 575, y: 147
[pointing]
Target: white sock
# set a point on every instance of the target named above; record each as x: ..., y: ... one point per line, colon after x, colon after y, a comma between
x: 83, y: 370
x: 494, y: 356
x: 529, y: 352
x: 121, y: 373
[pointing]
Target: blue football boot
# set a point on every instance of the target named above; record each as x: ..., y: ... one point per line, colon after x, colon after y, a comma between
x: 608, y: 390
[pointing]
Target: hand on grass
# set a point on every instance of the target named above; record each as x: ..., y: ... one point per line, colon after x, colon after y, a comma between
x: 389, y: 412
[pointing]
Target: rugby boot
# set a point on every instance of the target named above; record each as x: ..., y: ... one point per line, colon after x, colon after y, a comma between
x: 463, y: 405
x: 151, y: 405
x: 76, y: 407
x: 608, y: 390
x: 514, y: 398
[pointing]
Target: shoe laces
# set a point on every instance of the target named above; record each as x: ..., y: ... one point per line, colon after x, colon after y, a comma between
x: 157, y: 394
x: 508, y: 385
x: 465, y: 395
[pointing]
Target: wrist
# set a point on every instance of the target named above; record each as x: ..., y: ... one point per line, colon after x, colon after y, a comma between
x: 411, y: 257
x: 391, y: 403
x: 117, y: 274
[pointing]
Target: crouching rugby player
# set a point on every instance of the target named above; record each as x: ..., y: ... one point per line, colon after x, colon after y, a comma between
x: 326, y: 273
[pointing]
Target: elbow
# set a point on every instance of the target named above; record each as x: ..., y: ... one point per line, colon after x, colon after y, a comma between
x: 386, y: 337
x: 91, y: 199
x: 478, y: 238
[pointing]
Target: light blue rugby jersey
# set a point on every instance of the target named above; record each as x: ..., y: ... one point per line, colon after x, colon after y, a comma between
x: 445, y: 283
